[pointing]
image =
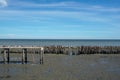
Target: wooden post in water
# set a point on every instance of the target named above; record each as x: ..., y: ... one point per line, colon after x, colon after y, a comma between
x: 23, y: 56
x: 70, y: 51
x: 5, y: 56
x: 33, y: 53
x: 8, y: 56
x: 0, y: 54
x: 41, y: 55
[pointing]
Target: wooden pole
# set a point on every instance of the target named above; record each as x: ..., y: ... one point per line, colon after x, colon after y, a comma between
x: 23, y: 56
x: 70, y: 51
x: 33, y: 53
x: 5, y: 56
x: 41, y: 55
x: 8, y: 56
x: 0, y: 55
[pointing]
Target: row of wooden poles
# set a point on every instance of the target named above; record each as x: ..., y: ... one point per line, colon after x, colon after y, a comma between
x: 6, y: 55
x: 82, y: 50
x: 59, y: 50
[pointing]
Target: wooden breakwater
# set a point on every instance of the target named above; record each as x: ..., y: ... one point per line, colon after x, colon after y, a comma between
x: 5, y: 53
x: 82, y: 50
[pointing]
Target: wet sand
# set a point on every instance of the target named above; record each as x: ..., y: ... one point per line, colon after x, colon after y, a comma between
x: 65, y: 67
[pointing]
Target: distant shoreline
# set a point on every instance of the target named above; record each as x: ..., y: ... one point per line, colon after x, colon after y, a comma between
x: 59, y: 42
x: 60, y: 39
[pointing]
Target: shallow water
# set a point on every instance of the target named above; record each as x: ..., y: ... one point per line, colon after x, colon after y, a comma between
x: 65, y: 67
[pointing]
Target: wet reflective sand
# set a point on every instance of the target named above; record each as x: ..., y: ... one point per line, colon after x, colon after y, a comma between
x: 65, y: 67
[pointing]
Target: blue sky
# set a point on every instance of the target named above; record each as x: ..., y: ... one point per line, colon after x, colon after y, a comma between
x: 59, y: 19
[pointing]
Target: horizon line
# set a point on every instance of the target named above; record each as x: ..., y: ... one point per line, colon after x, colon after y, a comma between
x: 54, y: 39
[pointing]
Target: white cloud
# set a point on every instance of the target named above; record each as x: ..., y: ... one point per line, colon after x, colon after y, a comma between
x: 3, y: 3
x: 54, y: 4
x: 53, y: 15
x: 66, y: 5
x: 11, y: 35
x: 78, y: 12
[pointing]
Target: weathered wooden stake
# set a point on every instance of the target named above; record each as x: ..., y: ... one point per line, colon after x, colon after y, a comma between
x: 0, y: 52
x: 8, y: 56
x: 70, y: 51
x: 33, y: 53
x: 41, y: 55
x: 5, y: 56
x: 23, y: 56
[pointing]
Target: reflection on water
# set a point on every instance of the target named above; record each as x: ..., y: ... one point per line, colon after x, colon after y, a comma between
x: 104, y: 60
x: 115, y: 68
x: 12, y: 69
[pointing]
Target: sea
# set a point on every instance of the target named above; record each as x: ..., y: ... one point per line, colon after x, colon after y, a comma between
x: 61, y: 42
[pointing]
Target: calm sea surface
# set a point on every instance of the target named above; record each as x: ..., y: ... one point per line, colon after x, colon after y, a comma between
x: 63, y: 42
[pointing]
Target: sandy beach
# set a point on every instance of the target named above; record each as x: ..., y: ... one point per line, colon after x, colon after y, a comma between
x: 65, y: 67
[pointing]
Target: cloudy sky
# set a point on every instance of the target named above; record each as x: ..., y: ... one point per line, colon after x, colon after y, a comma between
x: 60, y: 19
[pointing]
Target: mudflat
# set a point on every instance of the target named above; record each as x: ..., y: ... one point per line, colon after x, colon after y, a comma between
x: 65, y: 67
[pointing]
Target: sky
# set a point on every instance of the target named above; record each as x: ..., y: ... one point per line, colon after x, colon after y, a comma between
x: 59, y: 19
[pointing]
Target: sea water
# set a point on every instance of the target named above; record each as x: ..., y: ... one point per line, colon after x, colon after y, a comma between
x: 55, y: 42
